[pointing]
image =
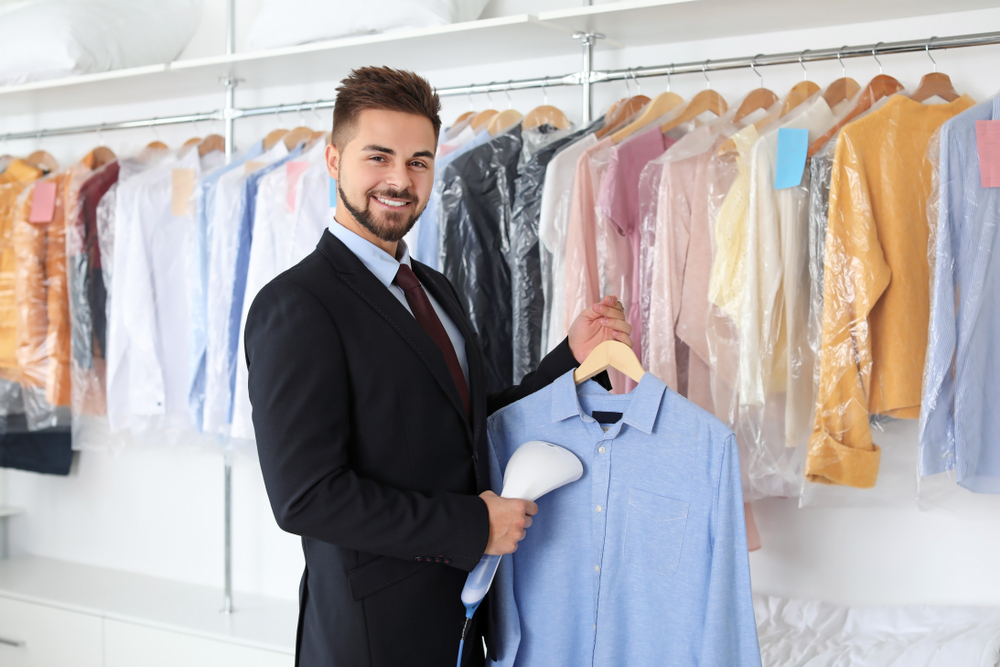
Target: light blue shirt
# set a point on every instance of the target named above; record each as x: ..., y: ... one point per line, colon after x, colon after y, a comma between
x: 384, y: 266
x: 202, y: 239
x: 960, y: 407
x: 428, y: 248
x: 643, y: 561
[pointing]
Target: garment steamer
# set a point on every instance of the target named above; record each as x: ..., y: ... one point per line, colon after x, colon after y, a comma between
x: 535, y: 469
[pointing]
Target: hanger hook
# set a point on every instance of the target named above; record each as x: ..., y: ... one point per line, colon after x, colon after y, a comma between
x: 316, y: 113
x: 843, y: 69
x: 805, y: 72
x: 753, y: 66
x: 468, y: 93
x: 489, y: 96
x: 510, y: 103
x: 704, y: 73
x: 638, y: 87
x: 545, y: 92
x: 628, y: 86
x: 669, y: 74
x: 100, y: 138
x: 927, y: 49
x: 875, y: 56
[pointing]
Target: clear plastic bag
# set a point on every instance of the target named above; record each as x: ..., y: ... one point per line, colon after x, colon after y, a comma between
x: 875, y: 286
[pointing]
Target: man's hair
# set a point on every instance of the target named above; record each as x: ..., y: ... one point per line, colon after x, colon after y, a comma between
x: 382, y: 88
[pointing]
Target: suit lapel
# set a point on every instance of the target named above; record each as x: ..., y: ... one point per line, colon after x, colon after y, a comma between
x: 356, y: 275
x: 441, y: 291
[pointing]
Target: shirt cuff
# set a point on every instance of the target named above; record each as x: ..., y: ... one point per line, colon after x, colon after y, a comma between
x: 832, y: 462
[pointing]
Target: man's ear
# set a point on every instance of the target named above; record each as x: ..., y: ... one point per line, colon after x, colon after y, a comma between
x: 333, y: 162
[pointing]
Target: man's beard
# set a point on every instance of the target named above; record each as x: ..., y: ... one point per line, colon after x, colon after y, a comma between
x: 388, y: 228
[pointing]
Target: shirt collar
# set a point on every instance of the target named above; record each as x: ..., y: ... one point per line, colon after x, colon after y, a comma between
x: 643, y: 406
x: 378, y: 261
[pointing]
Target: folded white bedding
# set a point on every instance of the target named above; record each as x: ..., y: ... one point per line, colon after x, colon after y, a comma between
x: 808, y: 633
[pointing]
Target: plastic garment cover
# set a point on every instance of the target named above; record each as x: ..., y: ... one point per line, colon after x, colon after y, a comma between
x: 224, y: 229
x: 13, y: 182
x: 291, y: 213
x: 875, y: 287
x: 47, y: 39
x: 553, y: 227
x: 477, y: 200
x: 280, y: 23
x: 525, y: 261
x: 959, y: 416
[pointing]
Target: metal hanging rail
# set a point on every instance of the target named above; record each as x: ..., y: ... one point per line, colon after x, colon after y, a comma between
x: 584, y: 78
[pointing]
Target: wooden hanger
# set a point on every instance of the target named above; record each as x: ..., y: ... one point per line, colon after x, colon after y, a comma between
x: 159, y: 145
x: 297, y: 136
x: 659, y: 106
x: 706, y: 100
x: 622, y: 114
x: 881, y: 86
x: 481, y: 119
x: 42, y: 160
x: 934, y: 83
x: 503, y: 121
x: 212, y: 142
x: 609, y: 354
x: 614, y: 107
x: 191, y: 142
x: 322, y: 135
x: 467, y: 114
x: 762, y: 98
x: 799, y: 93
x: 273, y: 137
x: 840, y: 90
x: 546, y: 114
x: 99, y: 157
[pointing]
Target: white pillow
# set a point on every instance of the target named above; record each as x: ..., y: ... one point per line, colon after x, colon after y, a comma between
x: 290, y: 22
x: 46, y: 39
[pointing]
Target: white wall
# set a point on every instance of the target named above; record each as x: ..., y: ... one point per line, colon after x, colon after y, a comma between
x: 159, y: 510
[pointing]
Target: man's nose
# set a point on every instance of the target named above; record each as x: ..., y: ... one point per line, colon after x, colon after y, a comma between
x: 398, y: 177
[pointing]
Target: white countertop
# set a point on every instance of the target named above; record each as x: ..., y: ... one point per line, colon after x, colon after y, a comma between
x: 258, y: 622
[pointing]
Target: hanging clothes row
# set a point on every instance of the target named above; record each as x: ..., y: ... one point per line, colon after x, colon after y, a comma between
x: 772, y: 259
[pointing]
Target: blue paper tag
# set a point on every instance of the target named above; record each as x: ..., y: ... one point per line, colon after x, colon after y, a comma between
x: 333, y: 192
x: 793, y: 146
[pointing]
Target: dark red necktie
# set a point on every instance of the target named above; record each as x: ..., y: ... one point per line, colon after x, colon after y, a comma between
x: 428, y: 319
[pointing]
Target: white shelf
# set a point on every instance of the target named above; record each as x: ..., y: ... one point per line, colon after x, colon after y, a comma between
x: 496, y: 40
x: 7, y: 510
x: 259, y: 622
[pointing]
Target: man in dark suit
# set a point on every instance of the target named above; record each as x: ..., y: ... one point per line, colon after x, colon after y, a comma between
x: 369, y: 404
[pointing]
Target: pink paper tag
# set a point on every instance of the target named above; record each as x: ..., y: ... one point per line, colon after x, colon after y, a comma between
x: 293, y: 171
x: 43, y: 202
x: 988, y: 143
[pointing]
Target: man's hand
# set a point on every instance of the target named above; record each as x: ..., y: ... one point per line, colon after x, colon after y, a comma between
x: 602, y: 321
x: 509, y: 518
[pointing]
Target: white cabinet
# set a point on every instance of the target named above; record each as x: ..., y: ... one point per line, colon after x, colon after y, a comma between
x: 129, y: 645
x: 49, y: 637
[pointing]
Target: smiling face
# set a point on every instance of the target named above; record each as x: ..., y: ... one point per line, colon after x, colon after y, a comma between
x: 384, y: 174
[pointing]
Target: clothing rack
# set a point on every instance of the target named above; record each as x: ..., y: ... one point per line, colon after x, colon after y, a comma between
x: 585, y: 78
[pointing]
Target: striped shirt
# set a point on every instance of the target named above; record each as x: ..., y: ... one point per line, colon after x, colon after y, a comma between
x: 960, y: 420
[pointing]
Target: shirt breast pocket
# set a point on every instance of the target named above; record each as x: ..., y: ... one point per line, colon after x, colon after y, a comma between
x: 654, y: 531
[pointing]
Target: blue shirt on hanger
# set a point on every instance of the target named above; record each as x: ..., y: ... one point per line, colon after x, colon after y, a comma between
x: 960, y: 407
x: 429, y: 230
x: 643, y: 561
x: 204, y: 212
x: 250, y: 186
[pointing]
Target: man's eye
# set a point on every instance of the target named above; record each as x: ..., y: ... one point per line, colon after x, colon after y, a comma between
x: 418, y: 164
x: 378, y: 157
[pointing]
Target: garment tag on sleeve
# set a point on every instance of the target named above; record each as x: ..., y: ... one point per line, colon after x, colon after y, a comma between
x: 181, y: 189
x: 988, y: 144
x: 43, y: 202
x: 333, y: 192
x: 293, y: 172
x: 793, y: 145
x: 250, y: 166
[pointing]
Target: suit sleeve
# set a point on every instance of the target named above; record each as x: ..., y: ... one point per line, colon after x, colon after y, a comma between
x: 299, y: 389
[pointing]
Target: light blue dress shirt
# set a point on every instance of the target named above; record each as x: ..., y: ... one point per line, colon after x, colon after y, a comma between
x: 245, y: 239
x: 384, y: 266
x: 960, y: 407
x: 202, y: 239
x: 643, y: 561
x: 428, y: 248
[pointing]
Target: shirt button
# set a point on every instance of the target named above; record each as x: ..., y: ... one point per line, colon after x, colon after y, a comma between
x: 601, y: 449
x: 597, y: 568
x: 598, y: 508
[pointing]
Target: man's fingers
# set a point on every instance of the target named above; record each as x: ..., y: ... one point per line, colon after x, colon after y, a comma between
x: 530, y: 508
x: 527, y: 522
x: 622, y: 337
x: 617, y: 325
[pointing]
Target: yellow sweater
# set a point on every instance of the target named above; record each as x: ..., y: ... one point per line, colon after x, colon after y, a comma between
x: 876, y: 302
